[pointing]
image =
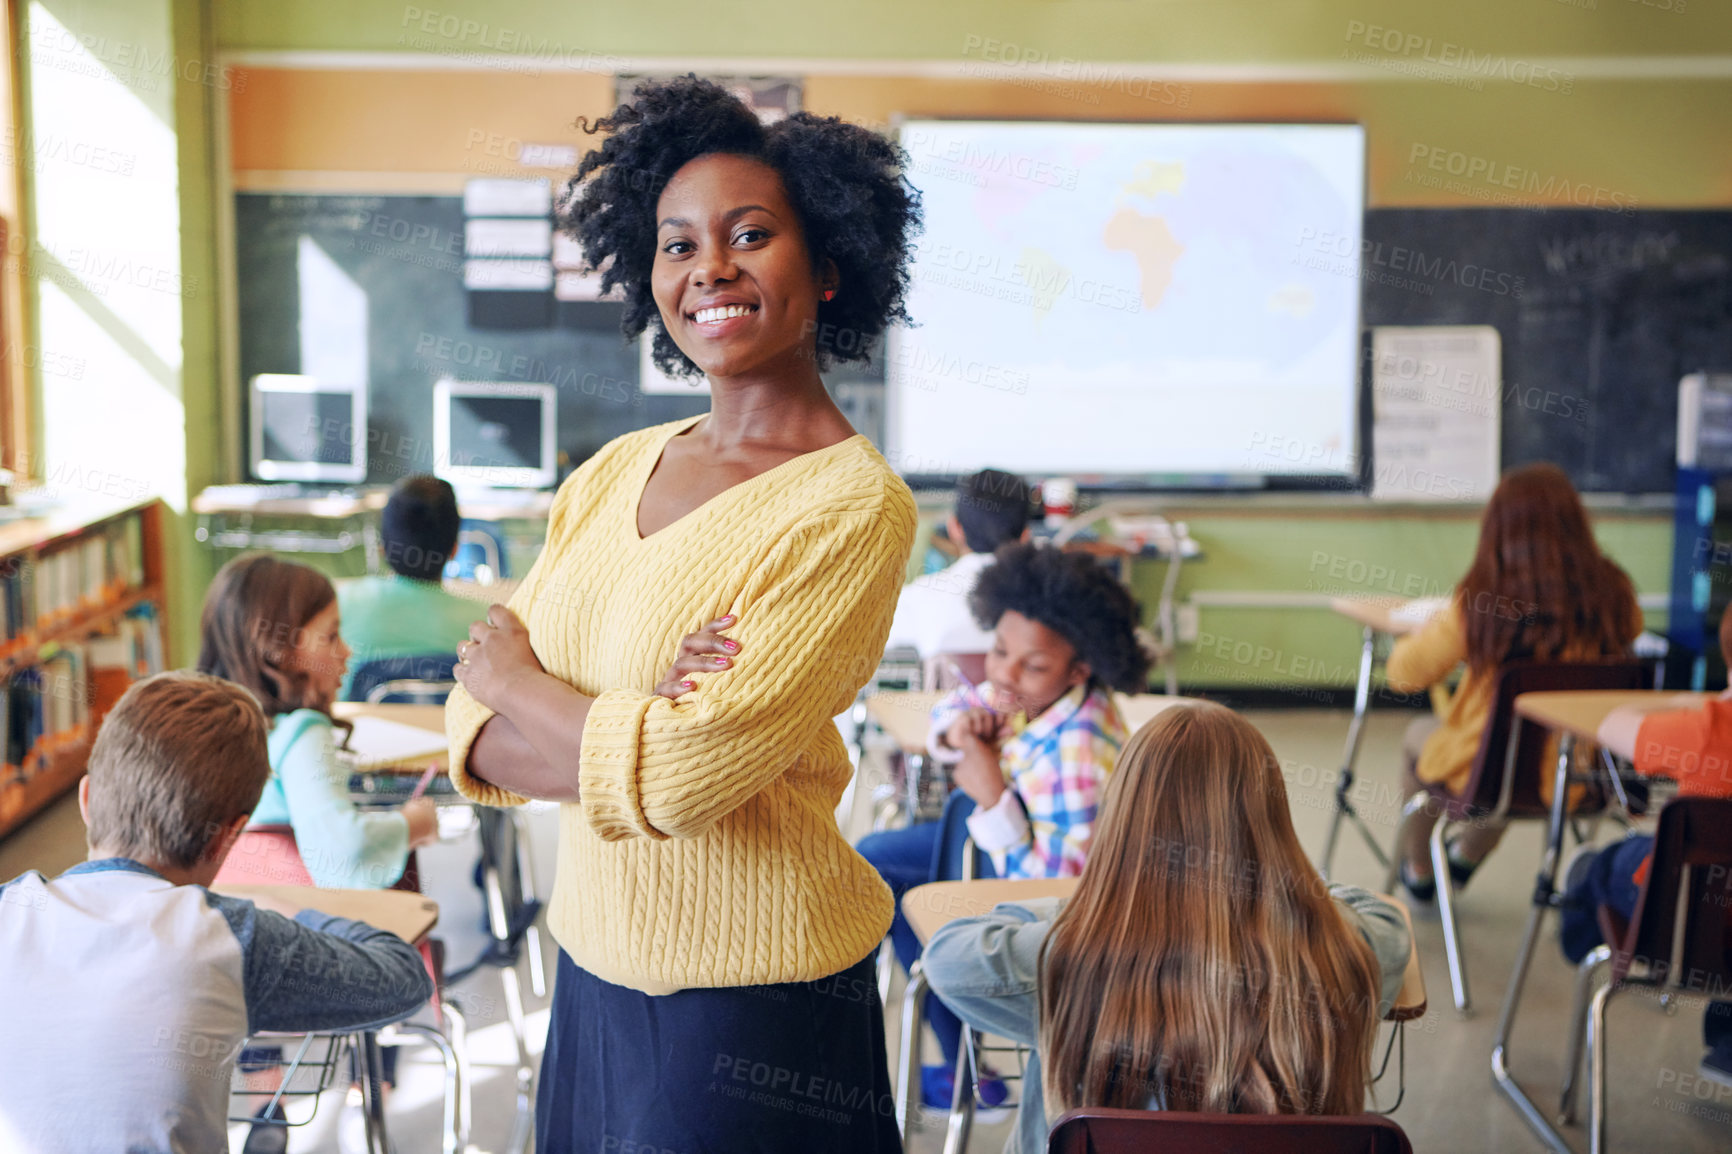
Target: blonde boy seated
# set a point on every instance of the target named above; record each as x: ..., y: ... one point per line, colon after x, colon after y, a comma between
x: 133, y: 984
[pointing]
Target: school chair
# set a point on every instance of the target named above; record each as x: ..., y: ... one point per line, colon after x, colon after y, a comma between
x: 1687, y: 882
x: 265, y: 1072
x: 1103, y: 1131
x: 426, y: 667
x: 480, y: 553
x: 410, y: 691
x: 1505, y: 780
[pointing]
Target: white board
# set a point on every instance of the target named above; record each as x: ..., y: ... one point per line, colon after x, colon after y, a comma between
x: 1437, y: 412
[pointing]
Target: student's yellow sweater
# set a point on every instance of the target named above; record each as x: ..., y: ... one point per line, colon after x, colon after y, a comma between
x: 1422, y: 660
x: 704, y: 849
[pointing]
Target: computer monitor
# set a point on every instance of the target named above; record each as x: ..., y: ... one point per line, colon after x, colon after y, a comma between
x: 494, y: 435
x: 305, y: 429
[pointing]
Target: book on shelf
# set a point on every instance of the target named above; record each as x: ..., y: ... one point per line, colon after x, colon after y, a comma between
x: 61, y: 700
x: 46, y: 590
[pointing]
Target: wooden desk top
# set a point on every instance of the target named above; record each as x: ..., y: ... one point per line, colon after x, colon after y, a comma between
x: 907, y: 717
x: 904, y: 716
x: 1580, y: 711
x: 1410, y: 999
x: 408, y: 915
x: 1375, y: 612
x: 929, y: 908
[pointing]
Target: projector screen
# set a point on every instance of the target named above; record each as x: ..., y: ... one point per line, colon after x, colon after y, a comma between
x: 1165, y: 303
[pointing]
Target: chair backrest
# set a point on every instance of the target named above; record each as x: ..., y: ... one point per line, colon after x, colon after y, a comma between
x: 480, y: 544
x: 415, y: 667
x: 1485, y: 787
x: 1102, y: 1131
x: 1692, y: 864
x: 954, y: 843
x: 410, y: 691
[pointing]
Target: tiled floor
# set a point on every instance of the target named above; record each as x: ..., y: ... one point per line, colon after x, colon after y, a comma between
x: 1656, y: 1103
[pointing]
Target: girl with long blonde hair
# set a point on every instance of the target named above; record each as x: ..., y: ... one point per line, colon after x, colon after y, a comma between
x: 1202, y: 965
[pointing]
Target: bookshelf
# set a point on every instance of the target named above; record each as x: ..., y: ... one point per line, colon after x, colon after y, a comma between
x: 81, y: 617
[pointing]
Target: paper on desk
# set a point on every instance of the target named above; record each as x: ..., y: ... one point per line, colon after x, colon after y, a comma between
x: 1419, y: 611
x: 377, y: 742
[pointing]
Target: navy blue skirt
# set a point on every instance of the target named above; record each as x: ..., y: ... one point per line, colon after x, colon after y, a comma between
x: 795, y: 1068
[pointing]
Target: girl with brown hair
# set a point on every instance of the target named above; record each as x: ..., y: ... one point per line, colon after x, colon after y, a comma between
x: 1203, y: 963
x: 272, y: 627
x: 1539, y: 589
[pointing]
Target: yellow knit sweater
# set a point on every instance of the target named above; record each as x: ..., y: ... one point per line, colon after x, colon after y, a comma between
x: 704, y: 849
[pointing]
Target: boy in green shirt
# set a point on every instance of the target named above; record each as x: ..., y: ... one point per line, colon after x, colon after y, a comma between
x: 408, y: 613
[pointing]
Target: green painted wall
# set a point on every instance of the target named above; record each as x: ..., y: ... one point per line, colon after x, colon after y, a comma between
x: 1222, y: 30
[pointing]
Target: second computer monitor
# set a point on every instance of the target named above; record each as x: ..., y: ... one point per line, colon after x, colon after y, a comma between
x: 494, y: 435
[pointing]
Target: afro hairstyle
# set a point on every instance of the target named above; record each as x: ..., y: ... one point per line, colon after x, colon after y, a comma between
x: 1072, y: 595
x: 844, y: 181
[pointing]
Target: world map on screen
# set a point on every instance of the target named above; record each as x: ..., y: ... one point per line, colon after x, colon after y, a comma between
x: 1107, y: 265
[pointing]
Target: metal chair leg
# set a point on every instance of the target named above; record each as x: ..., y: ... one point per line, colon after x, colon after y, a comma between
x: 961, y: 1097
x: 455, y: 1126
x: 1451, y: 928
x: 1586, y: 970
x: 1411, y: 806
x: 908, y: 1063
x: 1355, y: 731
x: 513, y: 997
x: 1544, y: 886
x: 372, y: 1092
x: 526, y: 893
x: 1597, y: 1069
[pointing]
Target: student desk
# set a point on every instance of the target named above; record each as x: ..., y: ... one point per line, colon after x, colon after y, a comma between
x: 409, y: 916
x: 240, y: 517
x: 929, y: 908
x: 1375, y: 615
x: 1573, y: 716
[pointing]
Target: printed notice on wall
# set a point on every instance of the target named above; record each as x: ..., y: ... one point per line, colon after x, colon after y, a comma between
x: 1437, y: 409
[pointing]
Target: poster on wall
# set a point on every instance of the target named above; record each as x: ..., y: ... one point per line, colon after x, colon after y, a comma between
x: 771, y: 97
x: 1437, y: 412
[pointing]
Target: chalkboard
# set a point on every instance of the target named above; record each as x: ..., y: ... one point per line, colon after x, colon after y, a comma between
x: 406, y: 254
x: 1600, y: 313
